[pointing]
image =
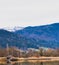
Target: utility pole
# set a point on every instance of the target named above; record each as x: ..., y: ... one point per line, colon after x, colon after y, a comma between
x: 7, y: 50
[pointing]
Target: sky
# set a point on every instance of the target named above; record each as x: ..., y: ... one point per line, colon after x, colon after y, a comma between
x: 28, y: 12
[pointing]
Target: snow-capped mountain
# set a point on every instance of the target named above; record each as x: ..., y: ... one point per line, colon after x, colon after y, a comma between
x: 13, y: 28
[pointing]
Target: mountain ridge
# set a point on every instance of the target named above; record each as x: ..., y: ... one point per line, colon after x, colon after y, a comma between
x: 32, y: 37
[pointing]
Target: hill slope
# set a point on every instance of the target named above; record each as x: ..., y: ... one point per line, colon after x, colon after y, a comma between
x: 32, y: 37
x: 47, y: 35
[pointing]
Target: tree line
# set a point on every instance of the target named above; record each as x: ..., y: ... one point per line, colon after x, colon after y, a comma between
x: 16, y: 52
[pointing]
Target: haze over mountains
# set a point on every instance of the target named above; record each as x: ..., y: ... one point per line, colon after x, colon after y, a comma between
x: 32, y: 37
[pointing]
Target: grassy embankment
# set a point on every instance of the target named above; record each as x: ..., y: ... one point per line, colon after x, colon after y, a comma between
x: 33, y: 59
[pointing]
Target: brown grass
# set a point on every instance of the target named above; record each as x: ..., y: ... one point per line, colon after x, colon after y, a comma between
x: 33, y: 59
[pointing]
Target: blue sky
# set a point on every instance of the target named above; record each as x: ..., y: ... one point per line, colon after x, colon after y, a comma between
x: 28, y: 12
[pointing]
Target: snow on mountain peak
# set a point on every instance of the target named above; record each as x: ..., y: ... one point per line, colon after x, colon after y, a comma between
x: 12, y: 28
